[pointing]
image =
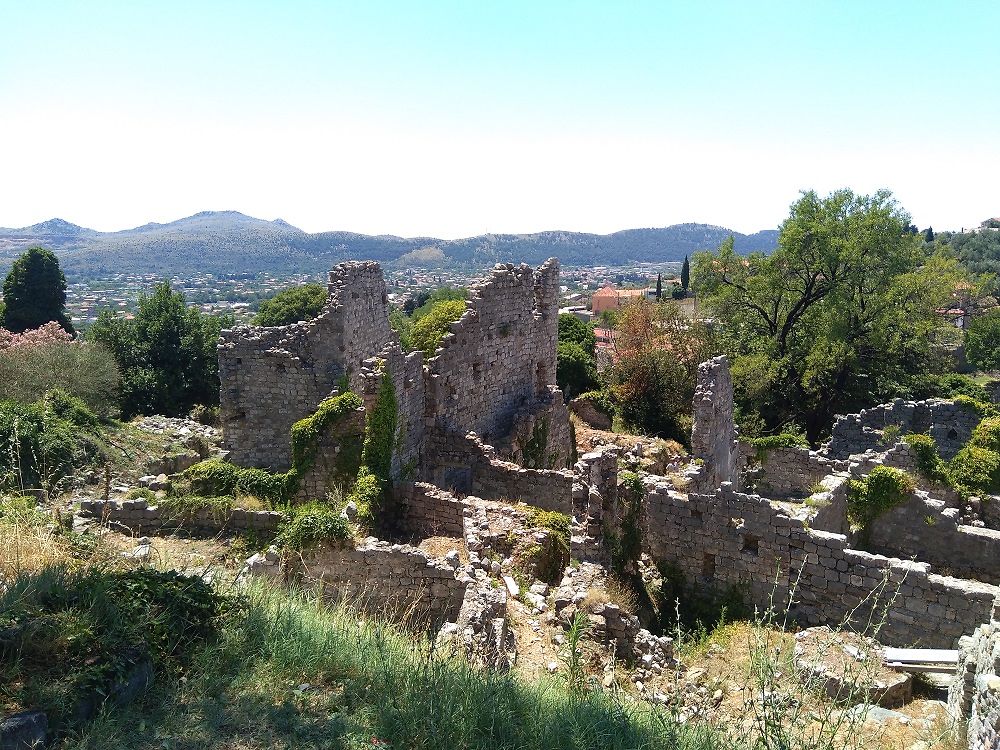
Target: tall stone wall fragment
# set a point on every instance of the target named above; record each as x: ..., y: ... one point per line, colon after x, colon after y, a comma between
x: 713, y: 436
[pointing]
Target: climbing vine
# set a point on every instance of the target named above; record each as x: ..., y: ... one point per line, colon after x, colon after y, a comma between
x: 534, y: 450
x: 372, y: 485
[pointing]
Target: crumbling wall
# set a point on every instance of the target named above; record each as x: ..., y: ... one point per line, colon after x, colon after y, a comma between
x: 732, y: 539
x: 928, y: 530
x: 792, y: 471
x: 949, y: 423
x: 139, y: 517
x: 499, y: 362
x: 713, y: 436
x: 975, y: 690
x: 426, y: 511
x: 396, y: 580
x: 273, y: 377
x: 464, y: 464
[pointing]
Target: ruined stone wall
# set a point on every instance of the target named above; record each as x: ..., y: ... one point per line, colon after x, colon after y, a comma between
x: 428, y: 511
x: 793, y: 471
x: 928, y: 530
x: 949, y: 423
x: 713, y: 436
x: 138, y: 517
x: 975, y: 690
x: 733, y: 539
x: 397, y: 581
x: 499, y: 361
x: 463, y: 464
x: 272, y: 377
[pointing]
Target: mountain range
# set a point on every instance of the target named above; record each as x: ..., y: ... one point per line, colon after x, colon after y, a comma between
x: 226, y: 242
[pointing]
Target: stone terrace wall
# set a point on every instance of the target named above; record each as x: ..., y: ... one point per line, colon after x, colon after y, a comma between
x: 272, y: 377
x: 975, y: 691
x: 395, y: 580
x: 141, y: 518
x: 733, y: 539
x: 500, y: 357
x: 428, y: 511
x: 949, y: 423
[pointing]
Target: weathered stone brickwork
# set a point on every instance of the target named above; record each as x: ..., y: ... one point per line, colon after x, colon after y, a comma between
x: 792, y: 471
x: 499, y: 362
x: 139, y: 517
x: 975, y: 690
x: 395, y: 580
x: 713, y: 437
x: 949, y: 423
x: 733, y: 539
x: 273, y: 377
x: 428, y: 511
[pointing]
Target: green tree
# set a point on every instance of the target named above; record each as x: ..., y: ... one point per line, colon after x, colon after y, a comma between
x: 686, y: 274
x: 929, y: 234
x: 427, y: 332
x: 659, y: 287
x: 166, y: 354
x: 575, y: 331
x: 654, y: 372
x: 836, y: 318
x: 982, y: 341
x: 34, y: 292
x: 575, y: 370
x: 291, y: 305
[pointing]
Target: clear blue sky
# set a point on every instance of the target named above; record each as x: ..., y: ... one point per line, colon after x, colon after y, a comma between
x: 456, y: 118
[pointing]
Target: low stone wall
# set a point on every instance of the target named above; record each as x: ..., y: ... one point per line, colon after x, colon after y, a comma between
x: 928, y: 530
x: 733, y: 539
x: 140, y: 518
x: 793, y: 471
x: 395, y: 580
x: 975, y: 691
x: 425, y: 511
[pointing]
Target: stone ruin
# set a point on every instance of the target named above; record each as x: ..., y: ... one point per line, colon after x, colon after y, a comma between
x: 484, y: 442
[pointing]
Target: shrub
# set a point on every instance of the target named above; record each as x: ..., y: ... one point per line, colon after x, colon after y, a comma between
x: 929, y: 463
x: 982, y: 341
x: 427, y: 332
x: 884, y: 488
x: 307, y: 526
x: 575, y: 369
x: 975, y: 471
x: 984, y: 408
x: 948, y: 385
x: 367, y: 496
x: 572, y: 330
x: 206, y: 415
x: 763, y: 445
x: 600, y: 400
x: 215, y: 477
x: 83, y: 370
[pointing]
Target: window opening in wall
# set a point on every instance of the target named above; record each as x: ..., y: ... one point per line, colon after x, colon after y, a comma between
x: 708, y: 565
x: 953, y: 434
x: 751, y: 545
x: 541, y: 376
x: 697, y: 515
x: 477, y: 371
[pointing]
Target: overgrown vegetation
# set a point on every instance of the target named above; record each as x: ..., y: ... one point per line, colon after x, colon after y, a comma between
x: 766, y: 443
x: 70, y: 637
x: 883, y: 489
x: 929, y: 462
x: 302, y: 302
x: 307, y: 526
x: 425, y: 318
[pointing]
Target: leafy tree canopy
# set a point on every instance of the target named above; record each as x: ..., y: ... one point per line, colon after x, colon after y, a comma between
x: 34, y: 292
x: 982, y: 341
x: 836, y: 318
x: 291, y: 305
x: 166, y: 354
x: 573, y: 330
x: 575, y: 370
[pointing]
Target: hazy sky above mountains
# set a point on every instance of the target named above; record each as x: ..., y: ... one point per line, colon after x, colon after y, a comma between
x: 452, y: 119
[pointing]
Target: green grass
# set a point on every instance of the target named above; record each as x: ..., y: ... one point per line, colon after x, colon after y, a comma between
x: 371, y: 685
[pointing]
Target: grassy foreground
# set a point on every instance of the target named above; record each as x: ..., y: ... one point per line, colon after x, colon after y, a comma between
x: 369, y: 685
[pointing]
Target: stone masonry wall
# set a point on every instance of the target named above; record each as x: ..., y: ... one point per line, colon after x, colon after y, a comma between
x: 949, y: 423
x: 713, y: 436
x: 272, y: 377
x: 396, y: 580
x: 928, y: 530
x: 793, y: 471
x: 139, y: 517
x: 500, y: 359
x: 429, y: 511
x: 733, y: 539
x: 975, y: 690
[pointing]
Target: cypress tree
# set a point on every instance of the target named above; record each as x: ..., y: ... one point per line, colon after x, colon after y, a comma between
x: 685, y: 274
x: 34, y: 292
